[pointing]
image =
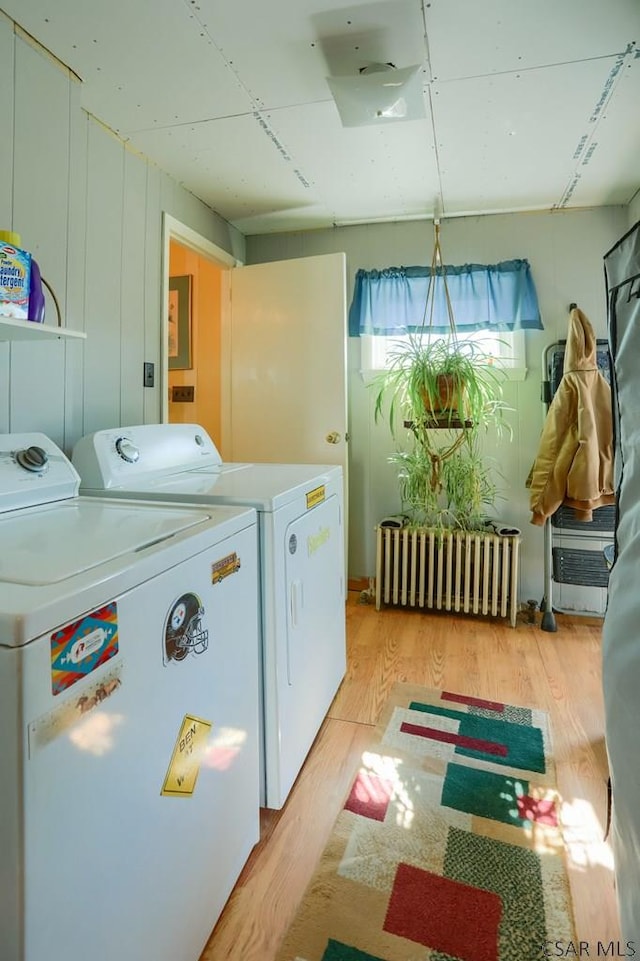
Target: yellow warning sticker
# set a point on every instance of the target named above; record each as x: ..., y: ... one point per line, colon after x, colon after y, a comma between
x: 316, y: 496
x: 188, y: 752
x: 225, y: 566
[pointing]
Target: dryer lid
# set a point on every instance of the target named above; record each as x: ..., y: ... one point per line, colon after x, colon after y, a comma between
x: 265, y: 487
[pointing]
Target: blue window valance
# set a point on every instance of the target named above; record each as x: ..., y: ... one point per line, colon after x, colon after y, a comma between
x: 495, y: 297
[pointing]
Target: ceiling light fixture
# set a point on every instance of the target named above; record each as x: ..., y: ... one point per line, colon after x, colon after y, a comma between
x: 380, y: 93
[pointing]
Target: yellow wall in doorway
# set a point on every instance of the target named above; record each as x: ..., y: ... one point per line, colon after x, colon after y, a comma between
x: 204, y: 374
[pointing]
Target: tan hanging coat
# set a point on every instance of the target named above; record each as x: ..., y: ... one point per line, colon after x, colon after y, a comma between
x: 574, y: 464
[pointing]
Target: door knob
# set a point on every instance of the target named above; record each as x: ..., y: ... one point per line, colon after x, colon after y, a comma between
x: 333, y: 437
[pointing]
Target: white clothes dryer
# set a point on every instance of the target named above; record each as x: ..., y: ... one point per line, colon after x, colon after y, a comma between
x: 301, y: 557
x: 129, y: 715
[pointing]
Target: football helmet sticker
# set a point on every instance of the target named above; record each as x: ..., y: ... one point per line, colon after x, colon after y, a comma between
x: 184, y: 632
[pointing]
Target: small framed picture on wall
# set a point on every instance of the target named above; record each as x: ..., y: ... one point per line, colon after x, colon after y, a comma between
x: 179, y: 336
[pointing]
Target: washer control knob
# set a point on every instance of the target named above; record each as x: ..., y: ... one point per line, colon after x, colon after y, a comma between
x: 33, y: 458
x: 127, y: 450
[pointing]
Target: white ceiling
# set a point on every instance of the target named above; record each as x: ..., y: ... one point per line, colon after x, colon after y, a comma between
x: 528, y: 105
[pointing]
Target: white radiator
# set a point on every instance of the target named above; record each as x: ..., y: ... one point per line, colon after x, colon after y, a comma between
x: 449, y: 571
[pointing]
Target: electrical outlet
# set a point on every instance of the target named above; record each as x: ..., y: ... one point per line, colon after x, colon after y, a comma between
x: 147, y: 375
x: 183, y: 394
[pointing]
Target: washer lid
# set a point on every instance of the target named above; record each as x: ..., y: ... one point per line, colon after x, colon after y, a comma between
x: 48, y: 544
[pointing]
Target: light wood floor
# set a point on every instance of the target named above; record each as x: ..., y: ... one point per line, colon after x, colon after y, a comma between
x: 558, y: 672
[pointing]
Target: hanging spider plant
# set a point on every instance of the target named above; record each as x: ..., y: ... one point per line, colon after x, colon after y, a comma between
x: 445, y: 390
x: 440, y: 383
x: 451, y: 489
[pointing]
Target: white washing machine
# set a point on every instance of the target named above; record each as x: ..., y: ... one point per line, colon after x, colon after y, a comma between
x: 301, y: 552
x: 129, y: 795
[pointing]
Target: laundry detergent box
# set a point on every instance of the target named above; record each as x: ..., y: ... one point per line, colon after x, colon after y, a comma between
x: 15, y: 281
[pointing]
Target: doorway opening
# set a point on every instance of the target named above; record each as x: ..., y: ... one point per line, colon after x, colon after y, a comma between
x: 194, y: 378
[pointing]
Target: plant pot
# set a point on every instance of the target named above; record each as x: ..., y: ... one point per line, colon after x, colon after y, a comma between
x: 448, y: 399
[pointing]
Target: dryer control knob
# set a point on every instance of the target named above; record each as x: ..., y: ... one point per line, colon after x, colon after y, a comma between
x: 33, y: 458
x: 127, y: 450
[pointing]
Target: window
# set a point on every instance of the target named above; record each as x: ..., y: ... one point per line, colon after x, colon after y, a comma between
x: 492, y: 304
x: 508, y: 347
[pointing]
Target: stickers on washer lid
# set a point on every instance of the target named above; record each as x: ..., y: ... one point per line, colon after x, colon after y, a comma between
x: 224, y: 567
x: 189, y: 750
x: 183, y: 630
x: 82, y: 646
x: 316, y: 496
x: 72, y: 709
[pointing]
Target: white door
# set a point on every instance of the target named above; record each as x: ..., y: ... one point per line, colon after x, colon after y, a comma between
x: 283, y: 371
x: 287, y: 362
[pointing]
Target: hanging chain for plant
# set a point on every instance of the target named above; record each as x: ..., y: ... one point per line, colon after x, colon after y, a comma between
x: 437, y: 265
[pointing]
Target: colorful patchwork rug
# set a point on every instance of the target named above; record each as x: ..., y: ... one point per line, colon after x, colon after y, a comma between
x: 448, y: 847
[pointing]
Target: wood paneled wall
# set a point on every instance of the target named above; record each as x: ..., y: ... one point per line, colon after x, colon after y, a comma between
x: 90, y: 211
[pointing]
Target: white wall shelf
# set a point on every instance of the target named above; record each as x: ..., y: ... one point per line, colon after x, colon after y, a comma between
x: 11, y: 329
